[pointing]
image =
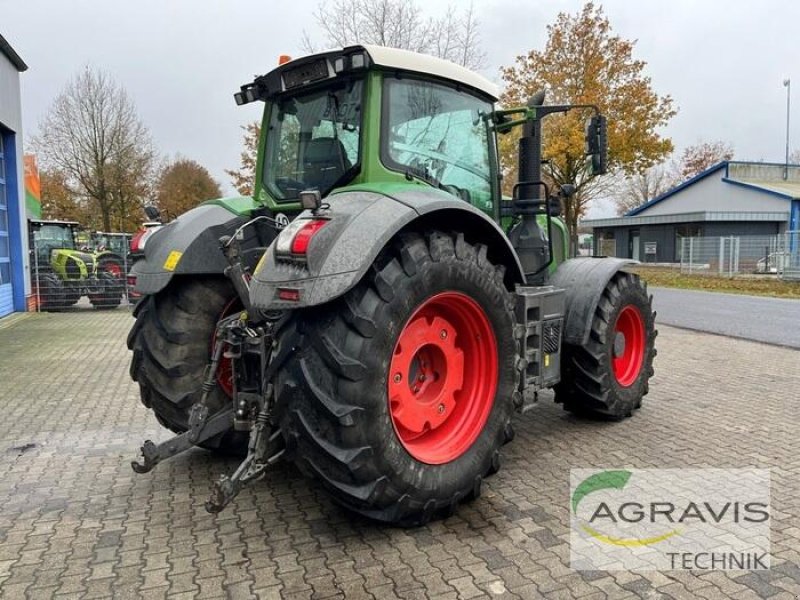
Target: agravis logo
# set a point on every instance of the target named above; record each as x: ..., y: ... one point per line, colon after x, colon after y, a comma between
x: 670, y: 518
x: 603, y: 481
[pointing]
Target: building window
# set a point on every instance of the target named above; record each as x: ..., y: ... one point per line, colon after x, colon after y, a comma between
x: 606, y: 243
x: 685, y: 231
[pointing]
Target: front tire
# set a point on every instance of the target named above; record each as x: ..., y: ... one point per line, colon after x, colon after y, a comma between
x: 111, y: 281
x: 50, y: 291
x: 610, y: 374
x: 171, y: 342
x: 347, y: 409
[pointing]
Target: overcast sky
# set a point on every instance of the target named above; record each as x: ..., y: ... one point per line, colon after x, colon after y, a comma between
x: 723, y: 62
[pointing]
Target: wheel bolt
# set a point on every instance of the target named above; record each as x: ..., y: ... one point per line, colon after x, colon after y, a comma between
x: 443, y: 334
x: 398, y: 378
x: 441, y: 408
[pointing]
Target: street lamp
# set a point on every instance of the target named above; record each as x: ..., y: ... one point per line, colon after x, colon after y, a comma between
x: 787, y: 83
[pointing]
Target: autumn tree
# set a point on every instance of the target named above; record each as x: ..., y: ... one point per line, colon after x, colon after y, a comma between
x: 583, y: 62
x: 92, y: 135
x: 699, y: 157
x: 244, y: 177
x: 58, y: 200
x: 399, y: 24
x: 183, y: 184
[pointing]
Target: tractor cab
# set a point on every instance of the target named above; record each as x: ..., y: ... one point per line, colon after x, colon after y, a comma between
x: 377, y: 117
x: 110, y: 242
x: 48, y: 236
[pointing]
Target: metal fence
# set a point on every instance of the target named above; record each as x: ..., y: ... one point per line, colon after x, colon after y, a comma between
x: 736, y: 255
x: 789, y: 261
x: 63, y: 277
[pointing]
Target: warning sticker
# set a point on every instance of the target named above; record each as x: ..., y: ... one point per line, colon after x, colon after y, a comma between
x: 172, y: 260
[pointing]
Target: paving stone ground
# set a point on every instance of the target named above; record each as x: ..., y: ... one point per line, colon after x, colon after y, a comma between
x: 76, y: 522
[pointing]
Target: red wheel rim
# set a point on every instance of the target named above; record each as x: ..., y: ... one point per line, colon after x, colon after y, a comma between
x: 628, y: 345
x: 113, y: 269
x: 443, y: 378
x: 225, y: 369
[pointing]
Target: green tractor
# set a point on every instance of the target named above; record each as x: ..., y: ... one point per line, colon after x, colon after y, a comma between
x: 377, y: 312
x: 112, y: 251
x: 62, y: 273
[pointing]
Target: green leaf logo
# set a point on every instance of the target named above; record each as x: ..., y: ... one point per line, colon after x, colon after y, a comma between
x: 611, y: 480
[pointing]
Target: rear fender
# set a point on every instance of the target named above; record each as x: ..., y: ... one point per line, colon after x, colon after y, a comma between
x: 361, y: 224
x: 189, y: 245
x: 584, y: 279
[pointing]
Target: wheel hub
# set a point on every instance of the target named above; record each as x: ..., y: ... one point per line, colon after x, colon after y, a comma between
x: 428, y: 369
x: 619, y: 344
x: 442, y: 378
x: 112, y: 269
x: 225, y: 368
x: 630, y: 345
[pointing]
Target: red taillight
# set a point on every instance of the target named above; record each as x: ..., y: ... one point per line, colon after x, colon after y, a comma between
x: 303, y: 237
x: 294, y: 240
x: 289, y: 294
x: 131, y: 280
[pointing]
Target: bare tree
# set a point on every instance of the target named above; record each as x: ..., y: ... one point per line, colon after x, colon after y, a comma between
x: 641, y: 187
x: 399, y: 24
x: 794, y: 157
x: 638, y: 188
x: 93, y: 136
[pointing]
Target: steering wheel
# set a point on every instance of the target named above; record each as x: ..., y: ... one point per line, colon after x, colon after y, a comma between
x: 441, y: 158
x: 287, y: 184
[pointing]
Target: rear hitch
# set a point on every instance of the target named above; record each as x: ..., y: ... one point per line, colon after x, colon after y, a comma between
x: 203, y: 429
x: 246, y: 339
x: 262, y: 439
x: 264, y: 449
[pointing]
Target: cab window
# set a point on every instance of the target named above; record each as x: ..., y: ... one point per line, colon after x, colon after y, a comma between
x: 440, y: 135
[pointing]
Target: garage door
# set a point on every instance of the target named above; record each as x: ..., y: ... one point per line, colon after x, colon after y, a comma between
x: 6, y: 290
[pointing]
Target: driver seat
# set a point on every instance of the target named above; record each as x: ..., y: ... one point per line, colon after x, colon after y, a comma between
x: 322, y: 164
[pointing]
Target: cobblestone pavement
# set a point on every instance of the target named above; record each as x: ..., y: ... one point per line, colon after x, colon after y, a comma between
x: 76, y: 522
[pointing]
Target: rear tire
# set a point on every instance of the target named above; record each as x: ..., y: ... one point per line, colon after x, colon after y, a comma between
x: 333, y: 393
x: 171, y: 343
x: 610, y: 375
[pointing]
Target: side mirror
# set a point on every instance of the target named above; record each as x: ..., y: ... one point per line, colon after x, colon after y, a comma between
x: 597, y: 144
x: 537, y: 99
x: 153, y: 214
x: 554, y: 204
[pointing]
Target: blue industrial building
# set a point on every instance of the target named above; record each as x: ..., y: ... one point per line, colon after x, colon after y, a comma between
x: 732, y: 198
x: 14, y: 279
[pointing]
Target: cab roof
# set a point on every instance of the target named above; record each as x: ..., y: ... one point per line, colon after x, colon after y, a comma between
x: 53, y: 222
x: 395, y: 58
x: 322, y: 67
